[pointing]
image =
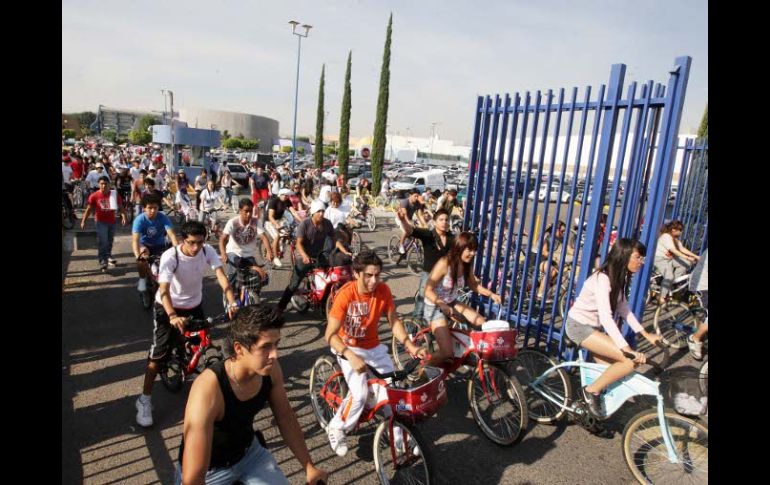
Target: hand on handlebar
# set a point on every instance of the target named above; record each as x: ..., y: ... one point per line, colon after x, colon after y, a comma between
x: 179, y: 322
x: 653, y: 338
x: 357, y: 363
x: 306, y: 260
x: 496, y: 298
x: 415, y: 351
x: 637, y: 357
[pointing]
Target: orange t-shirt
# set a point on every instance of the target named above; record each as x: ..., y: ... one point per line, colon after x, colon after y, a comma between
x: 360, y: 314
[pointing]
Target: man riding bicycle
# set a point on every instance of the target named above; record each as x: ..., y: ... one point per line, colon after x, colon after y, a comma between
x: 238, y: 242
x: 148, y: 236
x: 179, y: 296
x: 408, y: 208
x: 352, y: 335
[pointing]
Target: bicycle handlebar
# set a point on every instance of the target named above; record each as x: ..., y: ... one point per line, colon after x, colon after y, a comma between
x: 194, y: 324
x: 657, y: 369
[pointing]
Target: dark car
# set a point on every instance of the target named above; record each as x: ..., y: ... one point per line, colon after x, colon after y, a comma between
x: 239, y: 173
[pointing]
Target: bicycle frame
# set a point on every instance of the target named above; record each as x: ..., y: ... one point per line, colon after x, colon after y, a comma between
x: 614, y: 396
x: 196, y: 350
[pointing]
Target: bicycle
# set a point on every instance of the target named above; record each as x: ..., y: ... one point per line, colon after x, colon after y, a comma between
x: 364, y: 215
x: 147, y: 297
x: 496, y: 398
x: 78, y: 194
x: 67, y: 216
x: 213, y: 227
x: 406, y: 457
x: 413, y: 253
x: 248, y: 284
x: 191, y: 354
x: 653, y: 438
x: 319, y: 287
x: 680, y: 315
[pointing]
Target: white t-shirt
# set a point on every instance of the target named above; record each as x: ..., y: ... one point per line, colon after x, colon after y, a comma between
x: 92, y: 179
x: 243, y: 239
x: 329, y: 176
x: 66, y: 172
x: 208, y: 199
x: 665, y: 244
x: 134, y: 171
x: 324, y: 195
x: 335, y: 216
x: 186, y: 283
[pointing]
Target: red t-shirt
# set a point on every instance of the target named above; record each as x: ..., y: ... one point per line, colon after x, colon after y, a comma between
x: 77, y: 170
x: 100, y: 203
x: 360, y: 314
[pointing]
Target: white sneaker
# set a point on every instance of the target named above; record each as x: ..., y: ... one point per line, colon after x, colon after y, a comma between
x: 142, y: 285
x: 401, y: 449
x: 696, y: 348
x: 144, y: 411
x: 277, y: 262
x: 401, y: 249
x: 337, y: 441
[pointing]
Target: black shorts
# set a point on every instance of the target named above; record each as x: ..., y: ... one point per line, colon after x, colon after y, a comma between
x: 164, y: 335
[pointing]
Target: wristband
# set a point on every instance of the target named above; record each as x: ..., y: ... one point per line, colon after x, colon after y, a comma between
x: 172, y: 315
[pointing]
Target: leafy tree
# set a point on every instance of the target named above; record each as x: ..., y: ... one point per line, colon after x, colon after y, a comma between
x: 301, y: 150
x: 232, y: 144
x: 286, y: 149
x: 68, y: 133
x: 703, y: 130
x: 319, y: 123
x: 110, y: 135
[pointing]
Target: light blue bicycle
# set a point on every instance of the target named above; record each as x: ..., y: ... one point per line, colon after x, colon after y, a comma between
x: 659, y: 445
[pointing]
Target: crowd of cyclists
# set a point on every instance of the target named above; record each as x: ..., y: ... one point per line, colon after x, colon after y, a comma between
x: 318, y: 210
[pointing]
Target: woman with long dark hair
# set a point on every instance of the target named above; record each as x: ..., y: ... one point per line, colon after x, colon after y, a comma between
x: 601, y: 299
x: 672, y: 259
x: 449, y: 275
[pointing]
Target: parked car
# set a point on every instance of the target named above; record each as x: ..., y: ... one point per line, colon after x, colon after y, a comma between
x: 352, y: 183
x: 239, y: 173
x: 553, y: 194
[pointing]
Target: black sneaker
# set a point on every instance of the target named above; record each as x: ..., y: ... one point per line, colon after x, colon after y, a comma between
x: 594, y: 402
x: 103, y: 267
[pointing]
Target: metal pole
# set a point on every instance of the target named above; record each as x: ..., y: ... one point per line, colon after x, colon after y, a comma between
x: 173, y: 144
x: 296, y: 95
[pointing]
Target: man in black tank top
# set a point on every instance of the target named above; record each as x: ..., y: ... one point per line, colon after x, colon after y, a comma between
x: 219, y: 445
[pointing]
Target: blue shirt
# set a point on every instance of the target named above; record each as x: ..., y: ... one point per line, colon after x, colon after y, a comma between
x: 153, y: 232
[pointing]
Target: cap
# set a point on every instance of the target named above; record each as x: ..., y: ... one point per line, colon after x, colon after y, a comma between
x: 316, y: 206
x: 285, y: 192
x: 181, y: 170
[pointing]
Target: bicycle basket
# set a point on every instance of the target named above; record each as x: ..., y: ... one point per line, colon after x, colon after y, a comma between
x: 421, y: 401
x: 683, y: 391
x: 495, y: 345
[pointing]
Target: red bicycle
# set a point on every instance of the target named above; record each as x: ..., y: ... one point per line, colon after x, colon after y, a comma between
x: 407, y: 457
x: 319, y: 287
x: 192, y: 354
x: 496, y: 398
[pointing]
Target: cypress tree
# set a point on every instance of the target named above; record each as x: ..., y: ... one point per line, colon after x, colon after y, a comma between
x: 703, y: 131
x: 378, y: 144
x: 342, y: 150
x: 319, y: 123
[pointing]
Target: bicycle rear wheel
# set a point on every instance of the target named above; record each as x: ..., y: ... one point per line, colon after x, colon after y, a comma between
x: 414, y: 259
x: 327, y: 389
x: 646, y: 455
x: 355, y: 243
x: 528, y: 366
x: 413, y: 458
x: 371, y: 220
x: 674, y: 322
x: 498, y: 404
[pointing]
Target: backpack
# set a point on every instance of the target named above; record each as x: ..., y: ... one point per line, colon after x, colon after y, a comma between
x: 176, y: 257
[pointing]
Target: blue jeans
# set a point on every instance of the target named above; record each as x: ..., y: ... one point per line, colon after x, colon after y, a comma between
x: 419, y: 302
x: 105, y: 234
x: 257, y: 467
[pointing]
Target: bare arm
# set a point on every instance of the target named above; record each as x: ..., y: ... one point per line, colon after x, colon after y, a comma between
x: 135, y: 243
x: 289, y: 427
x: 408, y: 227
x: 301, y: 249
x: 204, y: 404
x: 222, y: 280
x: 172, y: 237
x: 436, y: 275
x: 222, y: 244
x: 341, y: 247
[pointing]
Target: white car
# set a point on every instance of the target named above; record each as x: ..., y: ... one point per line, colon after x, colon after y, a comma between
x: 553, y: 194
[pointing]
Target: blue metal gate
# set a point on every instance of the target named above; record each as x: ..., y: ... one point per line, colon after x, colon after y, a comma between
x: 621, y: 155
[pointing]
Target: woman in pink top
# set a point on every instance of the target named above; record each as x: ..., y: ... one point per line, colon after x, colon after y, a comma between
x: 601, y: 299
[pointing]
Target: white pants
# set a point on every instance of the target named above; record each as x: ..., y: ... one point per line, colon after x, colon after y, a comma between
x: 347, y: 415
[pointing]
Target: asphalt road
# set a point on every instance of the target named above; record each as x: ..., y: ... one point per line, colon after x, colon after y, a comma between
x: 106, y: 335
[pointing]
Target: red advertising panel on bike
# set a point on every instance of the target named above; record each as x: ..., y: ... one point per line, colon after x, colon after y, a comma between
x: 422, y: 401
x: 495, y: 345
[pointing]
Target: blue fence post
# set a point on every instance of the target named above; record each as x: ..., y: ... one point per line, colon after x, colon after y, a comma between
x: 663, y: 169
x: 473, y: 163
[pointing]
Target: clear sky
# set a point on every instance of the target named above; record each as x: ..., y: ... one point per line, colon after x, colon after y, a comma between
x: 240, y: 55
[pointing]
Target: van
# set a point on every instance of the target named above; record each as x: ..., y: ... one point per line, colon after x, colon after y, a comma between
x: 434, y: 179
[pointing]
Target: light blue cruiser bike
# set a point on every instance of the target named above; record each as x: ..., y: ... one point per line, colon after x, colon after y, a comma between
x: 659, y: 445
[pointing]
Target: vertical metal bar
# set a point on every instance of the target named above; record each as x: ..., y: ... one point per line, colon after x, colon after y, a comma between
x: 617, y: 74
x: 664, y: 168
x: 473, y: 164
x: 487, y: 191
x: 478, y: 193
x: 636, y: 169
x: 683, y: 176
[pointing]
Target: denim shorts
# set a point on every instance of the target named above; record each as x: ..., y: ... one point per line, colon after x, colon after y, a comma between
x: 577, y: 332
x: 257, y: 467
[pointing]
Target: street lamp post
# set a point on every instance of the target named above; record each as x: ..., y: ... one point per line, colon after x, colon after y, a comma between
x: 307, y: 28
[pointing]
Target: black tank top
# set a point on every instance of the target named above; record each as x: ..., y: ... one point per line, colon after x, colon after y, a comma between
x: 234, y: 433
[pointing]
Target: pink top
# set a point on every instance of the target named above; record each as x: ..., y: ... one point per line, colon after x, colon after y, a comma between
x: 592, y: 307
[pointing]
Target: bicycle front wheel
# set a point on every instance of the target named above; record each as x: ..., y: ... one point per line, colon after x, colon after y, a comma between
x: 171, y: 375
x: 674, y: 322
x: 327, y: 389
x: 547, y: 402
x: 409, y: 460
x: 414, y: 260
x: 412, y: 326
x: 393, y: 253
x: 498, y: 404
x: 646, y: 455
x: 355, y: 243
x: 77, y: 197
x: 371, y: 220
